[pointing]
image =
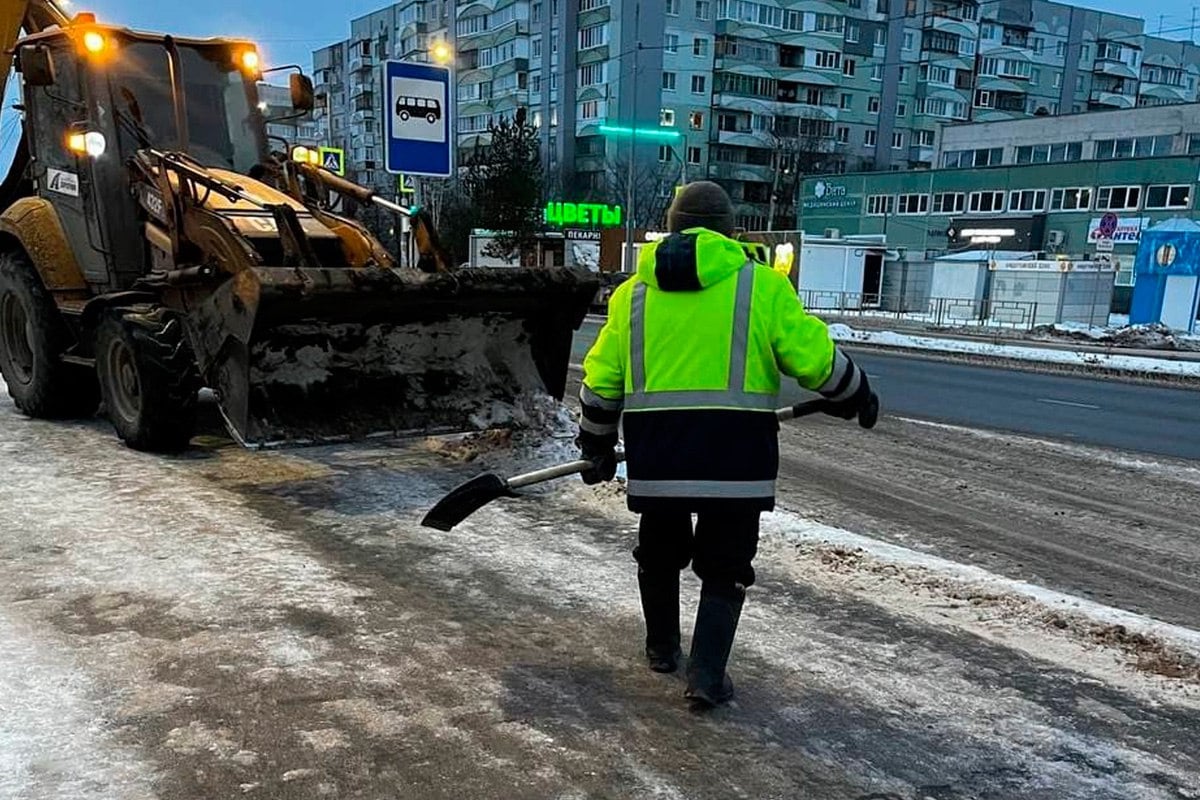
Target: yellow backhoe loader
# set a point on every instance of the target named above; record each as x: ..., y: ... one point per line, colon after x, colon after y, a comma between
x: 152, y: 243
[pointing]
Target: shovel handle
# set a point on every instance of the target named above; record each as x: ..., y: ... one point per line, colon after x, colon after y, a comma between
x: 548, y: 474
x: 866, y: 418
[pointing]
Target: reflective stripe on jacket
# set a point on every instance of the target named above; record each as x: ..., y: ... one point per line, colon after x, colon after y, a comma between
x: 692, y: 353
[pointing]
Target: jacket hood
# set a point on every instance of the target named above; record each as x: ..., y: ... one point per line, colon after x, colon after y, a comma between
x: 671, y: 264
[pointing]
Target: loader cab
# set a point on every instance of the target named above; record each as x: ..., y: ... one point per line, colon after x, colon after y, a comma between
x: 94, y: 96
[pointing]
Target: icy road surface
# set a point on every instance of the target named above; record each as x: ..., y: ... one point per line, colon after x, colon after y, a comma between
x: 276, y: 625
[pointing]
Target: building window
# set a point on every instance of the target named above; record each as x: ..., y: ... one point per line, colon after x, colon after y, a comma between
x: 936, y: 74
x: 698, y: 84
x: 828, y: 59
x: 873, y: 104
x: 983, y: 99
x: 1057, y: 80
x: 984, y: 157
x: 668, y: 81
x: 909, y: 40
x: 966, y: 47
x: 696, y: 120
x: 848, y: 67
x: 870, y: 137
x: 988, y: 31
x: 847, y: 101
x: 897, y: 141
x: 902, y: 75
x: 912, y: 204
x: 1141, y: 147
x: 593, y: 36
x: 1168, y: 197
x: 1193, y: 144
x: 693, y: 155
x: 665, y: 153
x: 589, y: 109
x: 923, y: 138
x: 877, y: 72
x: 901, y: 108
x: 842, y: 134
x: 949, y: 203
x: 986, y: 202
x: 1071, y: 199
x: 699, y: 46
x: 671, y: 43
x: 672, y: 8
x: 880, y: 204
x: 881, y: 37
x: 1036, y: 43
x: 666, y: 117
x: 1118, y: 198
x: 1027, y: 200
x: 853, y: 32
x: 830, y: 23
x: 1060, y: 50
x: 1035, y: 76
x: 703, y: 9
x: 591, y: 75
x: 1049, y: 153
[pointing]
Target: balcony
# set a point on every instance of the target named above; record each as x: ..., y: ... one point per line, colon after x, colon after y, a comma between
x: 722, y: 170
x: 1165, y: 93
x: 1105, y: 99
x: 1115, y: 69
x: 361, y: 63
x: 950, y: 24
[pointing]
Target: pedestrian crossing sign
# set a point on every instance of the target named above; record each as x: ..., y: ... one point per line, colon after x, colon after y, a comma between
x: 405, y: 184
x: 334, y: 160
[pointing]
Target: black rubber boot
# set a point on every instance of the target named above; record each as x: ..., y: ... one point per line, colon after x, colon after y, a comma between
x: 660, y: 607
x: 716, y: 625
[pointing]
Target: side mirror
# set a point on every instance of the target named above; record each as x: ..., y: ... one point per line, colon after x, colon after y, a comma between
x: 303, y: 95
x: 37, y: 66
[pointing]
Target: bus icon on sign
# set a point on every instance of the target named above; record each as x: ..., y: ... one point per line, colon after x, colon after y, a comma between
x: 409, y: 107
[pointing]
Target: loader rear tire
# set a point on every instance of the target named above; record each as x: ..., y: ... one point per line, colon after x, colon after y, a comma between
x: 148, y: 379
x: 33, y: 338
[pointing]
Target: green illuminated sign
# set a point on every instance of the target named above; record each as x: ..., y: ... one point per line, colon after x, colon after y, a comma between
x: 595, y: 214
x: 645, y: 133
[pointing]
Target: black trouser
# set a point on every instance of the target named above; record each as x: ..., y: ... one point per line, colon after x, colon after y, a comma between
x: 720, y: 548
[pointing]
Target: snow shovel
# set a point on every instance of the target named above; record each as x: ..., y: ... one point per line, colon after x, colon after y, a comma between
x: 478, y: 492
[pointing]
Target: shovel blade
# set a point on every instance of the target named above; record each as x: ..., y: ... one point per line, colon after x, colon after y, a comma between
x: 465, y: 500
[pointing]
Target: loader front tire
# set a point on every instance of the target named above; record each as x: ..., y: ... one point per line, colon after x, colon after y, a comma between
x: 33, y: 339
x: 148, y: 379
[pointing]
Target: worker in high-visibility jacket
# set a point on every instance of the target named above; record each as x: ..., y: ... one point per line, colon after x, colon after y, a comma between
x: 692, y: 355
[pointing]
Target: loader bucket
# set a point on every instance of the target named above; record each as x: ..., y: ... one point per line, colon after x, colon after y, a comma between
x: 299, y: 356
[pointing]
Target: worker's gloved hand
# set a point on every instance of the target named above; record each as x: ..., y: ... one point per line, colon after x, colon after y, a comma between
x: 603, y: 456
x: 853, y: 405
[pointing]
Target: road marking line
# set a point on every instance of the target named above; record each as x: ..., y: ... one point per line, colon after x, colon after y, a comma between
x: 1067, y: 403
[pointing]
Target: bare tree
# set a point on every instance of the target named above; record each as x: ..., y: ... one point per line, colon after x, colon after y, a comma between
x: 801, y: 146
x: 649, y: 180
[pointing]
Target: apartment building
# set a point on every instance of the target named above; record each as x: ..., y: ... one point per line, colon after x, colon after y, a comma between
x: 757, y: 91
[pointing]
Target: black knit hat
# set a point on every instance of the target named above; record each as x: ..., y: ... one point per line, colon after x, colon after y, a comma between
x: 702, y: 204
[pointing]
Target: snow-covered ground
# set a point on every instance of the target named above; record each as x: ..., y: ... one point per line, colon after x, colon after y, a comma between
x: 1121, y: 363
x: 239, y: 624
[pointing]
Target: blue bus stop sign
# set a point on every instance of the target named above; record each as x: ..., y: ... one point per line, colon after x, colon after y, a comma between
x: 417, y: 114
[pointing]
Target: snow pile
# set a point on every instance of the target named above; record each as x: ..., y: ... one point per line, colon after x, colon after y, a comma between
x: 1154, y: 646
x: 1148, y: 337
x: 1117, y: 363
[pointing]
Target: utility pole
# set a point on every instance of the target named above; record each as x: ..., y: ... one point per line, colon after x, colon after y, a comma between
x: 628, y: 262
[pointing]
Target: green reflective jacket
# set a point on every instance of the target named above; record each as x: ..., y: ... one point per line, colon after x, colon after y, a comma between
x: 713, y: 334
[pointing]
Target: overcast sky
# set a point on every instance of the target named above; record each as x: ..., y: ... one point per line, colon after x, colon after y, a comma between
x: 289, y: 30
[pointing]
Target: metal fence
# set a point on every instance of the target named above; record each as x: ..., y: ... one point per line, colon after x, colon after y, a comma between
x: 942, y: 312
